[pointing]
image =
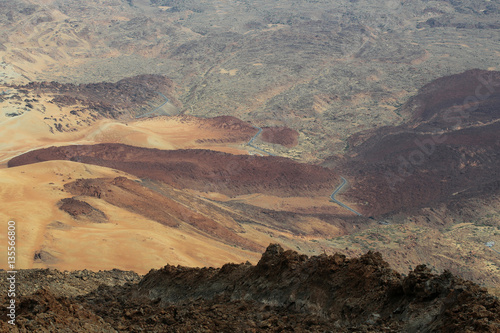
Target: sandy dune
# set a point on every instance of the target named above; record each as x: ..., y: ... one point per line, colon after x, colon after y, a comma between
x: 50, y: 237
x: 38, y: 129
x: 128, y: 241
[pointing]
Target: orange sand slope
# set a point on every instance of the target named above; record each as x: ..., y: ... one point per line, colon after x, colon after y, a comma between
x: 32, y: 130
x: 133, y: 239
x: 49, y: 237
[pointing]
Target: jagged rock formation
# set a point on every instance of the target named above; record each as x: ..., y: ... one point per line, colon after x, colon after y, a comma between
x: 111, y: 100
x: 285, y: 291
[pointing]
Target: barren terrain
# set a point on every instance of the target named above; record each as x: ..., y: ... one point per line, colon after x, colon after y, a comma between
x: 125, y: 130
x: 284, y: 291
x: 327, y: 69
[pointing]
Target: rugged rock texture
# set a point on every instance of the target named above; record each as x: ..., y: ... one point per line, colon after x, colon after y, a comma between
x: 127, y: 97
x: 77, y: 209
x: 66, y: 283
x: 44, y: 301
x: 348, y: 292
x: 285, y: 291
x: 325, y: 68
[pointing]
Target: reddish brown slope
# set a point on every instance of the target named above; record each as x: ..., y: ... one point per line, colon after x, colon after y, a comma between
x: 280, y: 135
x: 110, y: 99
x: 202, y: 170
x: 450, y: 144
x: 237, y: 130
x: 127, y: 194
x: 80, y: 209
x: 469, y: 97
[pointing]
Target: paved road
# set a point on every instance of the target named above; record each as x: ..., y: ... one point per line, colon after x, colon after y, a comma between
x: 344, y: 182
x: 490, y: 245
x: 156, y: 109
x: 495, y: 250
x: 250, y: 143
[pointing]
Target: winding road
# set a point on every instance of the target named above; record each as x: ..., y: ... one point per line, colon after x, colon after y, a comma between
x: 332, y: 197
x: 341, y: 186
x: 156, y: 109
x: 250, y: 143
x: 495, y: 250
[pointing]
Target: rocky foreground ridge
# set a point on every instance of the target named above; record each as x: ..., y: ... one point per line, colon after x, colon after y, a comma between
x: 284, y: 292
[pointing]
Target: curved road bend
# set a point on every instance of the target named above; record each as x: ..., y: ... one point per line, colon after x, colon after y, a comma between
x: 332, y: 197
x: 156, y: 109
x: 250, y: 143
x: 344, y: 181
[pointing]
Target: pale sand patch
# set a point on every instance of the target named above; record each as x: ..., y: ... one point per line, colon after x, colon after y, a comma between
x: 133, y: 242
x: 291, y: 204
x: 321, y: 103
x: 128, y: 241
x: 35, y: 130
x: 312, y: 227
x: 360, y: 98
x: 29, y: 195
x: 275, y: 27
x: 315, y: 204
x: 308, y: 225
x: 231, y: 72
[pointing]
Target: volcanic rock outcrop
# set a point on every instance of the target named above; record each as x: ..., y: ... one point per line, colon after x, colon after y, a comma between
x: 78, y: 209
x: 110, y: 100
x: 285, y: 291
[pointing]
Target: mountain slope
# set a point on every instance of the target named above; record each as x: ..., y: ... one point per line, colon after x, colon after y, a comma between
x: 450, y: 144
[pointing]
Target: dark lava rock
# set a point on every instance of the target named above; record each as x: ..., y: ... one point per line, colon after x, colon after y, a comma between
x: 284, y: 292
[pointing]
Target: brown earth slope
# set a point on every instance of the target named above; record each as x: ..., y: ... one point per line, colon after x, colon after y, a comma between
x: 80, y: 209
x: 202, y: 170
x: 450, y: 144
x: 130, y: 195
x: 127, y: 97
x: 280, y: 135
